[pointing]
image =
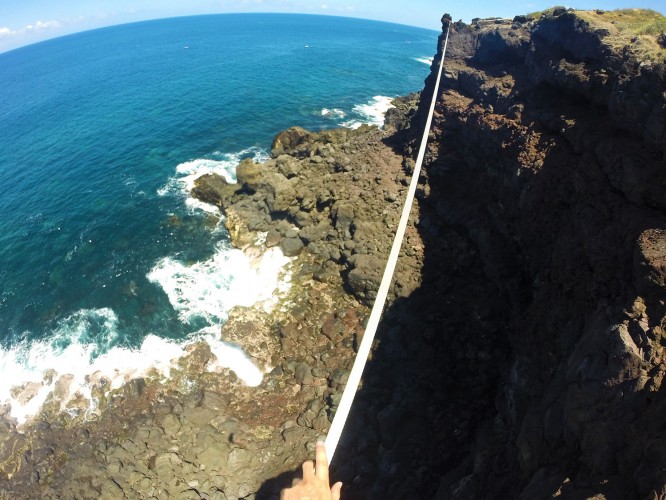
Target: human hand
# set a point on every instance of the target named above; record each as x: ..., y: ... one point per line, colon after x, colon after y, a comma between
x: 314, y: 485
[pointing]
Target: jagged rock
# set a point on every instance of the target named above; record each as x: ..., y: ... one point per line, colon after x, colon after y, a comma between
x: 288, y: 141
x: 303, y: 374
x: 276, y: 190
x: 213, y: 189
x: 366, y: 274
x: 661, y: 40
x: 249, y: 174
x: 650, y: 263
x: 343, y: 216
x: 288, y: 166
x: 314, y: 233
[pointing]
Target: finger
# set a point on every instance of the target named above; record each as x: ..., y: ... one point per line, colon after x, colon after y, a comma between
x: 308, y: 469
x: 321, y: 469
x: 295, y: 481
x: 288, y: 494
x: 335, y: 491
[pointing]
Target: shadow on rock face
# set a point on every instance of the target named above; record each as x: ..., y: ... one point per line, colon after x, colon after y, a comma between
x: 271, y: 489
x: 529, y: 361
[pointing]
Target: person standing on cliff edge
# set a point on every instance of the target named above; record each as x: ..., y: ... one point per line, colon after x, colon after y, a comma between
x: 315, y: 482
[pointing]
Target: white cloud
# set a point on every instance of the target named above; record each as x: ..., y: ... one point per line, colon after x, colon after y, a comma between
x: 324, y: 6
x: 46, y: 25
x: 30, y: 28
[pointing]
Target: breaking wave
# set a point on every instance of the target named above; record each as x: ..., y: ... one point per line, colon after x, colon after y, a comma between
x: 371, y: 113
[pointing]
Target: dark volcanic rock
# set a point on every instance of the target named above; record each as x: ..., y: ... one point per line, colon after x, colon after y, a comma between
x: 291, y: 246
x: 289, y: 141
x: 533, y: 350
x: 318, y: 193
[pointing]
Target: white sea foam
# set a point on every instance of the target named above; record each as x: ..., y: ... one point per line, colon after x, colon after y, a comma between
x: 187, y: 172
x: 371, y: 112
x: 83, y: 347
x: 333, y: 113
x: 70, y: 356
x: 194, y: 204
x: 232, y: 357
x: 424, y: 60
x: 208, y: 289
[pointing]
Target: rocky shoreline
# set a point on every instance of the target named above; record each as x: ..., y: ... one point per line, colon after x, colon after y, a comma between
x: 522, y: 351
x: 331, y: 198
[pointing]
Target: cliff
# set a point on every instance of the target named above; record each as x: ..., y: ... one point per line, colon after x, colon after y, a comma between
x: 529, y: 363
x: 521, y: 354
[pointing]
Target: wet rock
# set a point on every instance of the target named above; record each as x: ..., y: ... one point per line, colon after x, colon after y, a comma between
x: 198, y: 357
x: 61, y: 391
x: 213, y: 189
x: 25, y: 392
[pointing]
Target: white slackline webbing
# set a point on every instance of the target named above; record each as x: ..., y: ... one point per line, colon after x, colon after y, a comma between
x: 364, y: 349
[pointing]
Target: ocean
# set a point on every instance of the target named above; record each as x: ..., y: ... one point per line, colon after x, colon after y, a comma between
x: 106, y: 263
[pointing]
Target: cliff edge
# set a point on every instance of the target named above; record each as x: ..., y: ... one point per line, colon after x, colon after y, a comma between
x: 530, y: 362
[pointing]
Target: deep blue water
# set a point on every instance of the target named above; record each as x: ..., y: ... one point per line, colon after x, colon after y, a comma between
x: 93, y: 127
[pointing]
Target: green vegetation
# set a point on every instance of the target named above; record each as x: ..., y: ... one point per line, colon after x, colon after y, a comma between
x: 636, y: 21
x: 634, y: 30
x: 535, y: 16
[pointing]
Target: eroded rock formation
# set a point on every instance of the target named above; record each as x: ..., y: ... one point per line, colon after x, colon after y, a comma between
x: 532, y: 356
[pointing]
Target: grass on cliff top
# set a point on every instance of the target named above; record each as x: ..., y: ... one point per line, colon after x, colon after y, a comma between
x: 637, y: 29
x: 631, y: 21
x: 535, y: 16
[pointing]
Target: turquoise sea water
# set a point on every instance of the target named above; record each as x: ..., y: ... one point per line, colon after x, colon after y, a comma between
x: 102, y: 131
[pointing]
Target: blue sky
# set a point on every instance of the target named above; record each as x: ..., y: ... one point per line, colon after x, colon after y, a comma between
x: 27, y: 21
